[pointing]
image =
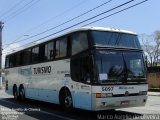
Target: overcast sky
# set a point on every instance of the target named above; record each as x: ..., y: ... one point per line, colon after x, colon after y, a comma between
x: 25, y: 18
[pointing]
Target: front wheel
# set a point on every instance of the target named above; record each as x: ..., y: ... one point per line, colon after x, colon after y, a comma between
x: 67, y: 101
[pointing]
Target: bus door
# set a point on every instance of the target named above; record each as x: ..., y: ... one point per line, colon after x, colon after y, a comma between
x: 81, y: 73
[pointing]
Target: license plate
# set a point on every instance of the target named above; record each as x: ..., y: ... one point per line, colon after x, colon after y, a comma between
x: 124, y: 102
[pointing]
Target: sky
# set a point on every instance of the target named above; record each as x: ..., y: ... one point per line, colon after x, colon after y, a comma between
x: 25, y: 18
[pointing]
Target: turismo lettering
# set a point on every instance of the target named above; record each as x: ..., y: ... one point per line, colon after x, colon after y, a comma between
x: 42, y: 70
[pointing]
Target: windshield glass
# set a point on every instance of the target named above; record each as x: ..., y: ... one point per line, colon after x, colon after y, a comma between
x: 118, y: 66
x: 135, y: 66
x: 110, y: 66
x: 115, y: 39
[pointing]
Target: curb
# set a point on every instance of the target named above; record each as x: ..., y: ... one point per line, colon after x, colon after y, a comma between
x: 154, y: 94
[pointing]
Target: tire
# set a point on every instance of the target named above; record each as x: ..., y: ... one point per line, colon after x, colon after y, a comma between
x: 66, y: 101
x: 15, y: 93
x: 22, y: 94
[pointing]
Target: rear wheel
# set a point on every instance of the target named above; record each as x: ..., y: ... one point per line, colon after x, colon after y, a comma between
x: 22, y: 94
x: 15, y: 93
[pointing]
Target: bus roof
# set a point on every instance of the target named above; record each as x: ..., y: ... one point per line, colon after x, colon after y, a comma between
x: 104, y: 29
x: 76, y: 30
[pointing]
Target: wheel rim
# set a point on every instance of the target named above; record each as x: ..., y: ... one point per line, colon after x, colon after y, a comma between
x: 15, y: 95
x: 68, y: 102
x: 22, y: 94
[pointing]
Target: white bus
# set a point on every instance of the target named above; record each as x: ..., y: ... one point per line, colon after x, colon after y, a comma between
x: 90, y: 68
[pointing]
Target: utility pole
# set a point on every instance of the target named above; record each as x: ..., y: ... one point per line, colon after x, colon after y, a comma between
x: 1, y: 27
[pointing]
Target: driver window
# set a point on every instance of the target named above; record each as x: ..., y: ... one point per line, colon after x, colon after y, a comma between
x: 81, y: 69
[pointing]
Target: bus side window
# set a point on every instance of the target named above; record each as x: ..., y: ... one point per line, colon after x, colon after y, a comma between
x: 49, y: 48
x: 75, y: 69
x: 81, y: 69
x: 61, y: 48
x: 35, y: 55
x: 11, y: 61
x: 86, y: 69
x: 26, y: 59
x: 79, y: 42
x: 7, y: 62
x: 18, y: 58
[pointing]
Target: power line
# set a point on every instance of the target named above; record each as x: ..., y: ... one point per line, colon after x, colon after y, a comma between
x: 17, y: 39
x: 69, y: 20
x: 22, y: 9
x: 85, y: 20
x: 77, y: 23
x: 72, y: 19
x: 82, y: 2
x: 14, y: 12
x: 88, y: 23
x: 5, y: 13
x: 116, y: 13
x: 64, y: 22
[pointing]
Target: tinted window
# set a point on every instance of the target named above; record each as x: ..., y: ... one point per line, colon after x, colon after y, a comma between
x: 129, y: 41
x: 110, y: 66
x: 49, y: 48
x: 118, y: 66
x: 18, y: 59
x: 79, y: 42
x: 35, y: 55
x: 7, y: 62
x: 115, y: 39
x: 61, y: 48
x: 135, y: 66
x: 82, y: 69
x: 101, y: 38
x: 26, y: 59
x: 76, y: 69
x: 11, y: 61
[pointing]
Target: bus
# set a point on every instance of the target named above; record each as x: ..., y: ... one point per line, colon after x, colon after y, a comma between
x: 89, y: 68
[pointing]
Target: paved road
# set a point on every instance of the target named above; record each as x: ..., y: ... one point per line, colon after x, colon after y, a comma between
x: 35, y: 110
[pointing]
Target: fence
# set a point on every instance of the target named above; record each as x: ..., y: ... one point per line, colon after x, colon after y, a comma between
x: 153, y: 77
x: 153, y: 80
x: 153, y: 69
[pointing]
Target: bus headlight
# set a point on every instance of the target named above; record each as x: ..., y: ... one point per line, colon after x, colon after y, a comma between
x: 143, y: 92
x: 103, y: 95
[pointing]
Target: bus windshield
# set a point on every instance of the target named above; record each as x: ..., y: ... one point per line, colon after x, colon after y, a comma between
x: 118, y: 66
x: 115, y: 39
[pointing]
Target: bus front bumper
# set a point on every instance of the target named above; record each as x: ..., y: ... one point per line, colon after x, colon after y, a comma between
x: 118, y: 102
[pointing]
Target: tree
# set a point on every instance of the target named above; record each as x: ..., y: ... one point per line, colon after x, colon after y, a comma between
x: 151, y: 47
x: 157, y: 49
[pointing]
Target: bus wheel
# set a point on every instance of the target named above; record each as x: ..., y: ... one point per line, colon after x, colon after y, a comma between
x: 67, y: 101
x: 15, y: 93
x: 22, y: 94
